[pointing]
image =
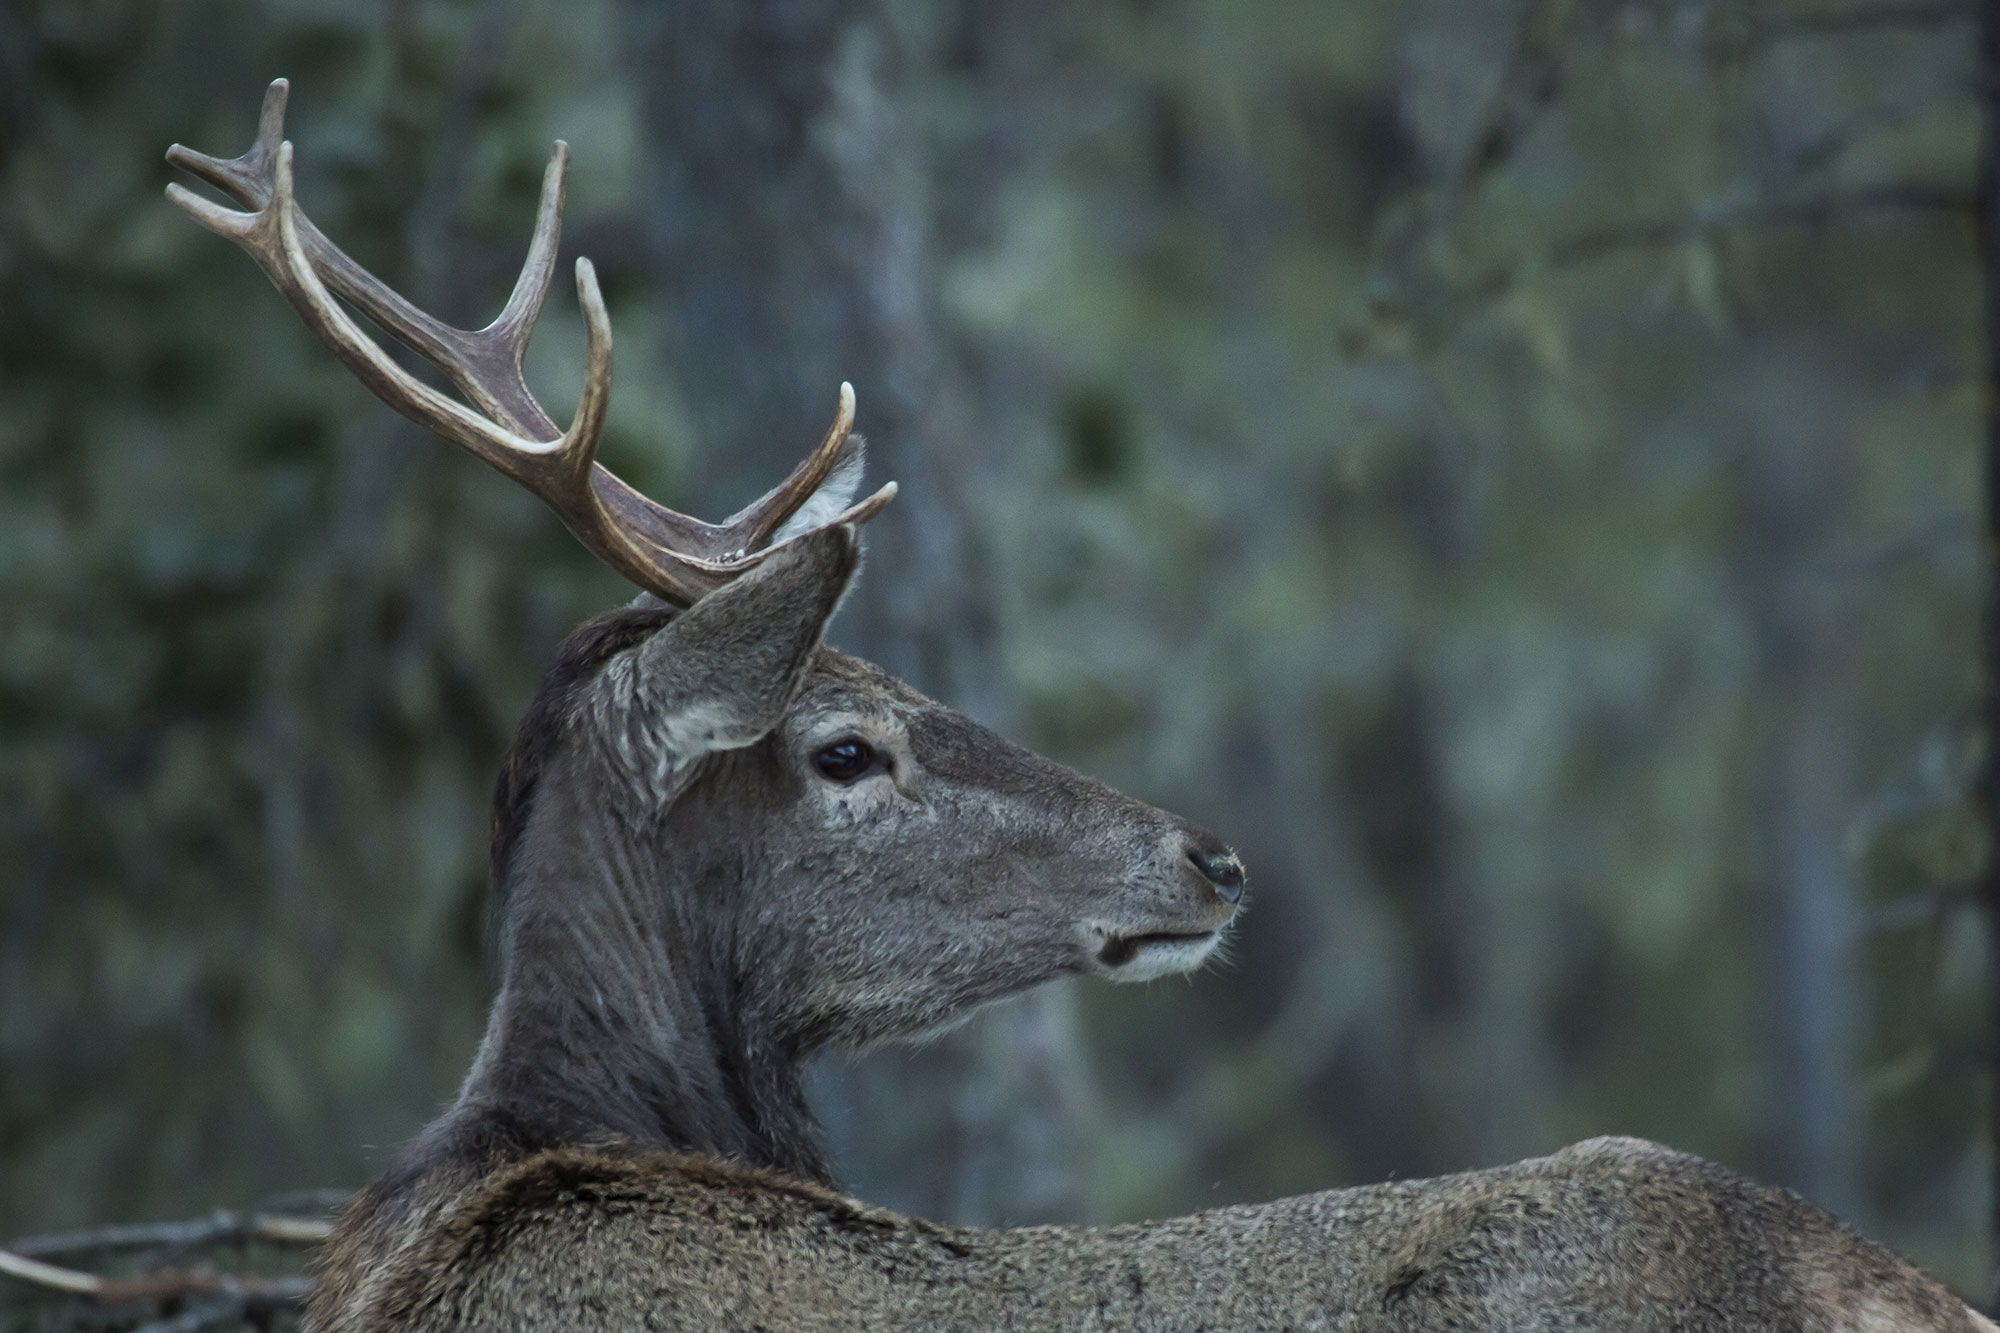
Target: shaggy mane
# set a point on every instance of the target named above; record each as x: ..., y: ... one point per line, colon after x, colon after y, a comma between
x: 582, y: 655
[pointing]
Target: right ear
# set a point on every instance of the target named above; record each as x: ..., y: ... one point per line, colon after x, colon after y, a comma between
x: 721, y: 674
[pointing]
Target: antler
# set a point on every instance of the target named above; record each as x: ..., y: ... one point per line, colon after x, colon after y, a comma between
x: 667, y: 553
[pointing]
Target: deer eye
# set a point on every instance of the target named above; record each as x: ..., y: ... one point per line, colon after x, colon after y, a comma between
x: 846, y: 760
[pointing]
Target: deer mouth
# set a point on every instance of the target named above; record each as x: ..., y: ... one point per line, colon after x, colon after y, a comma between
x: 1157, y: 953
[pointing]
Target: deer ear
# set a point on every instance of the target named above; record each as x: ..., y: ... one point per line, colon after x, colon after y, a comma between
x: 723, y: 672
x: 834, y: 495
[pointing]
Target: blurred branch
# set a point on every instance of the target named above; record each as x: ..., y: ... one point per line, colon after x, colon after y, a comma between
x: 1537, y: 70
x: 241, y: 1290
x: 1762, y: 32
x: 218, y: 1228
x: 48, y: 1275
x: 1889, y: 114
x: 1700, y: 224
x: 1703, y: 223
x: 1923, y: 540
x: 1921, y: 909
x: 1533, y: 80
x: 1529, y: 86
x: 174, y: 1299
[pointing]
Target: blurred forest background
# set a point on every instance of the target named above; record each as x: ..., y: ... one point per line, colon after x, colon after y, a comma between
x: 1510, y: 468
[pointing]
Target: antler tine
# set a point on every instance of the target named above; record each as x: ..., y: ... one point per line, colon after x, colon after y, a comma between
x: 749, y: 531
x: 578, y: 451
x: 558, y: 469
x: 516, y: 321
x: 484, y: 364
x: 245, y: 179
x: 769, y: 513
x: 670, y: 554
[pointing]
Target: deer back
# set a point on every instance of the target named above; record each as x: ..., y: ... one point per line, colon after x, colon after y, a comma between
x: 1613, y: 1233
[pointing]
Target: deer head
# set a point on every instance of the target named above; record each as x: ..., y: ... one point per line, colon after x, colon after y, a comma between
x: 720, y: 844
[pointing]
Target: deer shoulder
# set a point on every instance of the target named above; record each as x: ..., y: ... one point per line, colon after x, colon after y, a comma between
x: 720, y: 846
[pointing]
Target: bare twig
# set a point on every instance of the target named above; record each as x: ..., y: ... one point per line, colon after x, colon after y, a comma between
x: 174, y: 1299
x: 49, y: 1275
x: 216, y: 1229
x: 161, y: 1284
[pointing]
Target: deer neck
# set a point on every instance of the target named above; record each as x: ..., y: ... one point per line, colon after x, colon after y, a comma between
x: 615, y: 1023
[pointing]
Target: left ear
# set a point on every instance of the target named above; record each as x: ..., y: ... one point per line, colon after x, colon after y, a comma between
x: 722, y: 673
x: 834, y: 495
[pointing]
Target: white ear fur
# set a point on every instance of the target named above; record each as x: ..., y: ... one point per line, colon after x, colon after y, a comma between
x: 832, y: 498
x: 721, y: 674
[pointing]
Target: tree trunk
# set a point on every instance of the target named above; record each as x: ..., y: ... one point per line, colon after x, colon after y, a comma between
x: 1804, y: 790
x: 787, y: 218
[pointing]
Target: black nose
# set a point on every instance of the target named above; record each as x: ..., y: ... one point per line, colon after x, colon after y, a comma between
x: 1220, y: 868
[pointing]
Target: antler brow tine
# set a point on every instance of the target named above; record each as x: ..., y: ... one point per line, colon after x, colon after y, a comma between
x: 677, y: 557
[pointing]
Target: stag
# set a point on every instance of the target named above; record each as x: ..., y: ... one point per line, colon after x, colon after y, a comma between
x: 720, y: 846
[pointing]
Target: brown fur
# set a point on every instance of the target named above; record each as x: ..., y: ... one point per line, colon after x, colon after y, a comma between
x: 1613, y: 1233
x: 690, y: 907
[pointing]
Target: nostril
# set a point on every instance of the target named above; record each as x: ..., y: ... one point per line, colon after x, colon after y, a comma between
x: 1220, y: 869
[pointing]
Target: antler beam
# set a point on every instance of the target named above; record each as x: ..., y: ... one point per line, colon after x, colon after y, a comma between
x: 677, y: 557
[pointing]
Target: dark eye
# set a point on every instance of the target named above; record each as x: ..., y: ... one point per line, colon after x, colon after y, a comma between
x: 846, y: 760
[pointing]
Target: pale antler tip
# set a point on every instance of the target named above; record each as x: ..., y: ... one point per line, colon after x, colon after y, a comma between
x: 222, y: 221
x: 591, y: 297
x: 188, y: 159
x: 858, y: 514
x: 271, y: 117
x: 597, y: 322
